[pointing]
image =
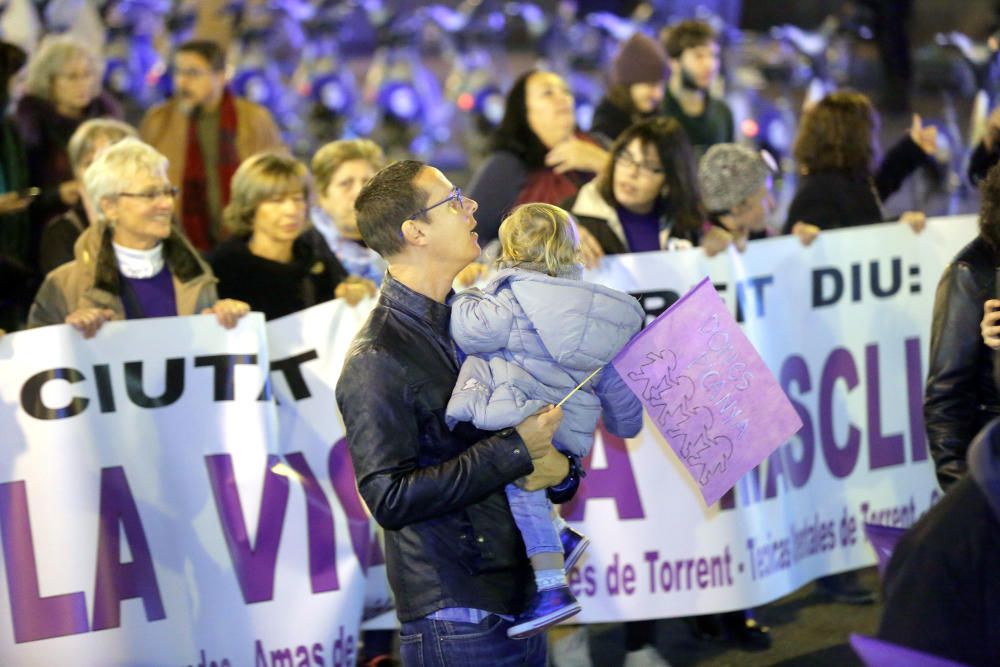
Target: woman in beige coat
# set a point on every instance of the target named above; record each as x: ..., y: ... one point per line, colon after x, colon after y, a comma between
x: 133, y: 263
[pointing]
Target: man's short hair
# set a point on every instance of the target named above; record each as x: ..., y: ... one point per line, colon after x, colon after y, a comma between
x: 211, y: 51
x: 685, y: 35
x: 386, y: 201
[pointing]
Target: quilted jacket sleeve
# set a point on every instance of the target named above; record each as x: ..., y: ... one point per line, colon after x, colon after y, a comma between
x: 480, y: 322
x: 620, y: 408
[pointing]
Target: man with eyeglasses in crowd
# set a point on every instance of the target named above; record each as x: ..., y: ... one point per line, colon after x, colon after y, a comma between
x: 454, y: 557
x: 206, y: 131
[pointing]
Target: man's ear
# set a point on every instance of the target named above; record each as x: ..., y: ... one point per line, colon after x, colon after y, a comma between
x: 412, y: 232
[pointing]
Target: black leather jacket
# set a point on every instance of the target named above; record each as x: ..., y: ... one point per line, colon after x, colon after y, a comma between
x: 961, y: 396
x: 450, y: 538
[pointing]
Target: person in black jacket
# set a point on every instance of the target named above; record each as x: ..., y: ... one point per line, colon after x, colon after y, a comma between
x: 942, y: 590
x: 961, y: 396
x: 454, y: 557
x: 274, y: 261
x: 836, y: 149
x: 638, y: 74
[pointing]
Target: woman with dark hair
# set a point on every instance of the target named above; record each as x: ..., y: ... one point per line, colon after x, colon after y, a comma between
x: 836, y: 150
x: 538, y: 153
x: 275, y: 261
x: 646, y: 196
x: 639, y: 80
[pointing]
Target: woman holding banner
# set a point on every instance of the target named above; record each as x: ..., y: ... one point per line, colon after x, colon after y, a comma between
x: 275, y: 261
x: 133, y: 263
x: 646, y: 196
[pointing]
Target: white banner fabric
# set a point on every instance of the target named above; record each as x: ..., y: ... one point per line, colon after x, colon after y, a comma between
x: 151, y: 491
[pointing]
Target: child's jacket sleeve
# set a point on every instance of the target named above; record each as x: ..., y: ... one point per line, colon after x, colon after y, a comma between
x: 620, y: 408
x: 480, y: 322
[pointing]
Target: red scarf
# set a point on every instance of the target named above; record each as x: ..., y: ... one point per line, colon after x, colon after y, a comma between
x: 194, y: 203
x: 546, y: 186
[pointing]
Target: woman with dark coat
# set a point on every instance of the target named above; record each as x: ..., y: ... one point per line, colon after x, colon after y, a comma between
x: 274, y: 261
x: 63, y: 89
x: 835, y: 150
x: 538, y: 153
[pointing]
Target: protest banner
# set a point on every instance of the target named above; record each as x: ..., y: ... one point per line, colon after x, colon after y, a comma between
x: 156, y: 508
x: 148, y: 514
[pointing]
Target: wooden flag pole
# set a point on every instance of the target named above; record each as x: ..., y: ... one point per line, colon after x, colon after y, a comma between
x: 577, y: 387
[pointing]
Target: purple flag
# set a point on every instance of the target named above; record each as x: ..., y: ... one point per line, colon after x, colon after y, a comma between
x: 879, y: 653
x: 707, y: 390
x: 884, y: 540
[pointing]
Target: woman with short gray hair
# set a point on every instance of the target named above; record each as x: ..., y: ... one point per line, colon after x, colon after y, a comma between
x: 132, y: 262
x: 63, y: 89
x: 61, y: 233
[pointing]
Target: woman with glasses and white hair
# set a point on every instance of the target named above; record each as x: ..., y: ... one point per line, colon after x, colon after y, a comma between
x: 133, y: 263
x: 62, y: 90
x: 275, y: 260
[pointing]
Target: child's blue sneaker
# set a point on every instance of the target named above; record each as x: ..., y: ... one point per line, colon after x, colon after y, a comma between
x: 545, y: 609
x: 574, y: 544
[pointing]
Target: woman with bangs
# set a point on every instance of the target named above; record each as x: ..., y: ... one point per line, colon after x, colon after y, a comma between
x: 646, y: 196
x: 275, y: 261
x: 836, y: 150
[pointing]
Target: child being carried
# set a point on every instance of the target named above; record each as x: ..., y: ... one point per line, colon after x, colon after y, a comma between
x: 534, y: 333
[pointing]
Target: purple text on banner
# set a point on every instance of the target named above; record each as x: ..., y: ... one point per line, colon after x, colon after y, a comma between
x: 707, y: 390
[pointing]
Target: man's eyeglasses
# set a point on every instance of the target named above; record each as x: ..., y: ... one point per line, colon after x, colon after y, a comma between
x: 152, y: 195
x: 625, y: 159
x: 457, y: 207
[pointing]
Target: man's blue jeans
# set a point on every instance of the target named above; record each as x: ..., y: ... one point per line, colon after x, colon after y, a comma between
x: 432, y: 643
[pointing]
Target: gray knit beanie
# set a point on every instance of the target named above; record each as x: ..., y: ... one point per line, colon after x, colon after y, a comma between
x: 639, y: 60
x: 728, y: 174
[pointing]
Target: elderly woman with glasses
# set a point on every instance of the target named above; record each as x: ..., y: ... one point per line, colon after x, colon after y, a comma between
x: 62, y: 90
x: 646, y: 196
x: 133, y: 263
x: 275, y: 260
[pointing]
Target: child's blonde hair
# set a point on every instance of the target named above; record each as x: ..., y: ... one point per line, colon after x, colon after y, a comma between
x: 540, y: 234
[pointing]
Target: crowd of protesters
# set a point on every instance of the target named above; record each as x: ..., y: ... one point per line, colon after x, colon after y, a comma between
x: 202, y: 209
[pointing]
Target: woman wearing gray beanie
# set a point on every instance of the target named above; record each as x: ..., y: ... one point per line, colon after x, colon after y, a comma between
x: 638, y: 75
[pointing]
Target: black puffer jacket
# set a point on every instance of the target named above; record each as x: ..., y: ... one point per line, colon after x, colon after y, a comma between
x: 961, y: 396
x: 450, y: 538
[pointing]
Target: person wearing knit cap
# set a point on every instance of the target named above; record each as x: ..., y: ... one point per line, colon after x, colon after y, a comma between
x: 736, y: 189
x: 638, y: 75
x: 693, y: 53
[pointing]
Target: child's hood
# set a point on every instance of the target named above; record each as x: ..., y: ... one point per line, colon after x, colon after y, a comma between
x: 581, y: 324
